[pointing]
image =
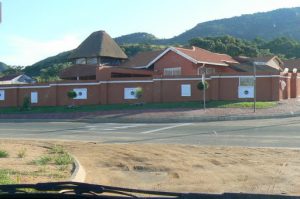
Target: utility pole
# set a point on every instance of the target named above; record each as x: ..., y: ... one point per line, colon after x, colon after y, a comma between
x: 204, y: 88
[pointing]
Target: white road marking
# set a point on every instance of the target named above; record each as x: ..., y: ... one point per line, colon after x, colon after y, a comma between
x: 112, y: 128
x: 165, y: 128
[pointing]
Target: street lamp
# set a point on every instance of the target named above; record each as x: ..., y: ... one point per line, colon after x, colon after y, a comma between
x: 254, y: 83
x: 254, y: 74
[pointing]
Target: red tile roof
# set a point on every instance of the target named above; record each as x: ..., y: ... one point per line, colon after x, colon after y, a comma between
x: 202, y: 55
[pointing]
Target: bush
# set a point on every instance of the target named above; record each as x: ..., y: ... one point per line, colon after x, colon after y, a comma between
x: 26, y: 104
x: 43, y: 160
x: 57, y: 150
x: 22, y: 153
x: 71, y: 94
x: 202, y: 86
x: 139, y: 92
x: 63, y: 159
x: 3, y: 154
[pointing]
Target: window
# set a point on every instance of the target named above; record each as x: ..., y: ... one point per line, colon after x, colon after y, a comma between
x: 246, y: 81
x: 246, y: 87
x: 185, y: 90
x: 2, y: 95
x: 129, y: 93
x: 92, y: 60
x: 81, y: 61
x: 34, y: 97
x: 209, y: 71
x: 172, y: 71
x: 81, y: 93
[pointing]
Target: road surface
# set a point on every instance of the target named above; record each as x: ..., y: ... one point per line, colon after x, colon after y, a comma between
x: 252, y: 133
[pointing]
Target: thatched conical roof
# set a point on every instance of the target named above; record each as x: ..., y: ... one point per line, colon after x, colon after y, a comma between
x: 98, y: 44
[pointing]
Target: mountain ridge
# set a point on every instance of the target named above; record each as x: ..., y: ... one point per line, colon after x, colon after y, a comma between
x: 285, y: 22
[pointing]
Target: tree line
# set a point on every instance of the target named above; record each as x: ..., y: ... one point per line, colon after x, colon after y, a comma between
x: 283, y: 47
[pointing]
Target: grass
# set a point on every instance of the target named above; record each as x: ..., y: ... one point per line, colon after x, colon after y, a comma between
x: 112, y: 107
x: 63, y: 159
x: 22, y: 153
x: 5, y: 177
x: 43, y: 160
x: 3, y: 154
x: 56, y: 149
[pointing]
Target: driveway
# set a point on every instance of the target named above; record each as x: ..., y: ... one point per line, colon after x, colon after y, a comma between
x: 252, y: 133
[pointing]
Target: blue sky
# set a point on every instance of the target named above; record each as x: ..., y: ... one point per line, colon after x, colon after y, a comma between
x: 32, y: 30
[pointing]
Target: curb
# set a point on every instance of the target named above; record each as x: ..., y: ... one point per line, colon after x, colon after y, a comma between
x: 188, y: 119
x: 78, y: 174
x: 116, y: 119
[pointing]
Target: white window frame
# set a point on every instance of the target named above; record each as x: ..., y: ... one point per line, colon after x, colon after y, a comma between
x: 186, y: 90
x: 34, y: 97
x: 129, y: 93
x: 2, y: 95
x: 83, y: 91
x: 80, y: 61
x: 175, y: 71
x: 92, y: 60
x: 246, y: 77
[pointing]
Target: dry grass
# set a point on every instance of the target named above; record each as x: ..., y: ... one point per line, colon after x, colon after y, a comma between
x: 190, y: 168
x: 30, y: 162
x: 183, y: 168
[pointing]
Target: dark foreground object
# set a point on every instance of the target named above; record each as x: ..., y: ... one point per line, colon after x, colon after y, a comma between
x: 84, y: 190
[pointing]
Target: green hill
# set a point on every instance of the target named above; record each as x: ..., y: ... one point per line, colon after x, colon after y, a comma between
x: 3, y: 67
x: 36, y: 69
x: 267, y: 25
x: 140, y: 37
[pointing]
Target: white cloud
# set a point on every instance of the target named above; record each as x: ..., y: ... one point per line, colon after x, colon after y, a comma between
x: 25, y: 51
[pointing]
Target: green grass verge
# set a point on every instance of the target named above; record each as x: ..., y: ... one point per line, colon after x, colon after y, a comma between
x: 174, y: 105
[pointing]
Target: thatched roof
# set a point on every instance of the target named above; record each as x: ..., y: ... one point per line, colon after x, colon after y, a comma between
x: 98, y: 44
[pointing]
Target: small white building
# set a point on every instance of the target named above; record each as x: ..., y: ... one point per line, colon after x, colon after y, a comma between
x: 17, y: 79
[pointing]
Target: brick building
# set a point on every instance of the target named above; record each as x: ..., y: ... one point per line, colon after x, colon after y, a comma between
x: 102, y: 74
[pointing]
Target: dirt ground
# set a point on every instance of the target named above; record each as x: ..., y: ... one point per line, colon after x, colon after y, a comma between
x: 183, y: 168
x: 23, y: 170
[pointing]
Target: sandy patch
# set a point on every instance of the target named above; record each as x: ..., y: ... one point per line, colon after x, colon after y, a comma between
x: 184, y: 168
x: 191, y: 168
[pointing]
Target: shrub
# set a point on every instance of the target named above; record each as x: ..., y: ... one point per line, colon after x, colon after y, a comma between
x: 71, y: 94
x: 201, y: 86
x: 26, y: 104
x: 139, y: 92
x: 43, y: 160
x: 22, y: 153
x: 3, y: 154
x: 63, y: 159
x: 57, y: 150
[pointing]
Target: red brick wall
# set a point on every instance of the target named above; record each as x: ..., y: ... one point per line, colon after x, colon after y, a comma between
x: 172, y: 60
x: 155, y: 90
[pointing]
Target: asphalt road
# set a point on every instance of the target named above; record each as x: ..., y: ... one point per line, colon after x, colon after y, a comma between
x: 253, y: 133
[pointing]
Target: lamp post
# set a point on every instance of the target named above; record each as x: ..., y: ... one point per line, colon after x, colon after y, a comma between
x: 254, y: 82
x: 204, y: 88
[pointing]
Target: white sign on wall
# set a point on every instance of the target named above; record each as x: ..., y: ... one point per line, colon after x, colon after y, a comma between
x: 129, y: 93
x: 246, y: 91
x: 186, y: 90
x: 2, y: 95
x: 34, y: 97
x: 81, y: 93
